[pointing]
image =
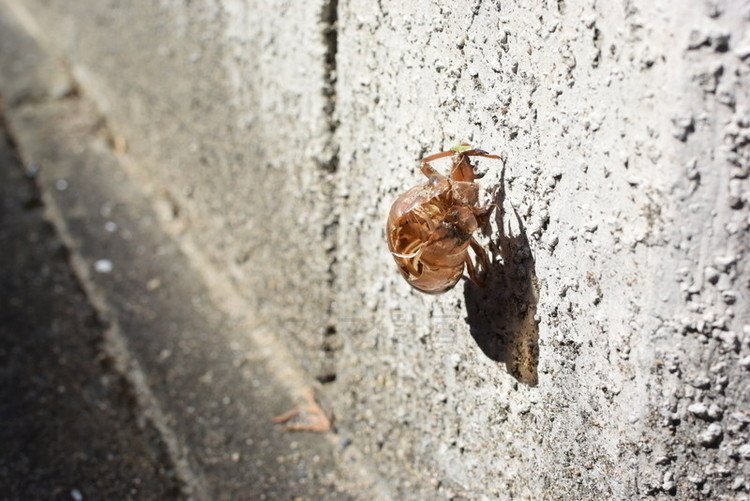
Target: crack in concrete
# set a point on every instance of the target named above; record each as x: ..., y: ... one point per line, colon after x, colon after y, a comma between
x: 474, y: 14
x: 329, y: 19
x: 329, y: 16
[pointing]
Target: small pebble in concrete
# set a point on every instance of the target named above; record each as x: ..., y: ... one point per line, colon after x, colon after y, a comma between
x: 711, y: 274
x: 715, y: 412
x: 698, y: 410
x: 103, y: 266
x: 668, y: 484
x: 738, y: 483
x: 712, y: 436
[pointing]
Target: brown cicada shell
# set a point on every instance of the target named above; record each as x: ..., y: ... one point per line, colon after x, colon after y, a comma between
x: 430, y: 227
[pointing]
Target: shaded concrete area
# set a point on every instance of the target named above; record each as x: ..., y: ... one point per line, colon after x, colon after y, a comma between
x: 69, y: 426
x: 129, y: 380
x: 501, y: 315
x: 193, y: 375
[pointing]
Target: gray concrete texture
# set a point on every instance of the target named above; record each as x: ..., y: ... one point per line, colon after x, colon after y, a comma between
x: 157, y: 390
x: 232, y: 125
x: 69, y: 428
x: 609, y: 355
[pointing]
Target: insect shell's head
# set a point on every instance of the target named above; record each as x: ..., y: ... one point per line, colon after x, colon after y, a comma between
x: 460, y: 148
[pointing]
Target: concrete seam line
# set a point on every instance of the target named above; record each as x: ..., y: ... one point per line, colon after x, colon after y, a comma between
x: 329, y: 18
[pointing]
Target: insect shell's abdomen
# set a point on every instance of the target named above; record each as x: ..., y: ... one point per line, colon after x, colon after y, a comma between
x: 429, y: 253
x: 435, y: 281
x: 439, y: 275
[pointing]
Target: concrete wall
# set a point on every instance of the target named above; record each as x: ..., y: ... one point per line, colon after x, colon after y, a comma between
x: 609, y: 355
x: 225, y: 110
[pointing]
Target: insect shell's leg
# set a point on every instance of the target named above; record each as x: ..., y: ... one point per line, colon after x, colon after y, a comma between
x: 428, y: 171
x: 436, y: 156
x: 480, y: 153
x: 462, y: 169
x: 483, y: 213
x: 482, y: 260
x: 471, y: 271
x: 485, y: 210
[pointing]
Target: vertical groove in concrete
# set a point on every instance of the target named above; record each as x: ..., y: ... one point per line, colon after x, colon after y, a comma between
x: 331, y: 342
x: 329, y: 18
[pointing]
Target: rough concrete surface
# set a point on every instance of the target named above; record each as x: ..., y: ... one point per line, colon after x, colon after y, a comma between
x: 625, y: 131
x: 608, y: 357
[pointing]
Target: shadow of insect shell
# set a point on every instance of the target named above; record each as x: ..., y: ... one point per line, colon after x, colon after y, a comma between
x: 502, y: 315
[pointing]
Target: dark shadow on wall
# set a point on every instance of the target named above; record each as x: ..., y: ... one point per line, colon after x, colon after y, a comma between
x: 501, y: 316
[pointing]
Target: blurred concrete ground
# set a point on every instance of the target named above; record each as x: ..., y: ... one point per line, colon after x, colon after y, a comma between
x: 69, y: 428
x: 72, y: 425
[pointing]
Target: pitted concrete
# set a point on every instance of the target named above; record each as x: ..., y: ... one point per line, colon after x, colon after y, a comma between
x: 608, y: 356
x: 620, y: 126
